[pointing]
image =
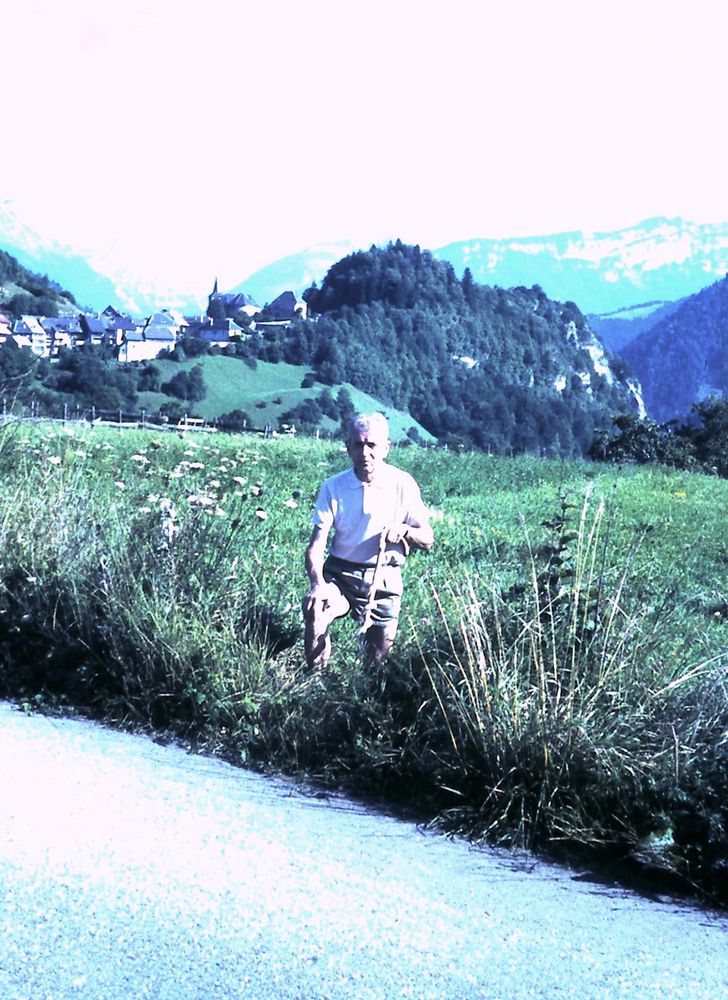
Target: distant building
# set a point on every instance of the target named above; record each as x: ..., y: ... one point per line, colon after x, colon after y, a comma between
x: 280, y: 312
x: 232, y: 302
x: 159, y: 334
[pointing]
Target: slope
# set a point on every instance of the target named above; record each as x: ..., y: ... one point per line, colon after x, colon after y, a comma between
x: 684, y: 358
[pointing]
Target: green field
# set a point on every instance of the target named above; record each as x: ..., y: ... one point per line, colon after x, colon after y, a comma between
x: 265, y: 393
x: 560, y: 679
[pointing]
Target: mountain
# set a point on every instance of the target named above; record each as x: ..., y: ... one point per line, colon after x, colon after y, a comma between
x: 498, y: 369
x: 22, y: 292
x: 683, y: 358
x: 37, y: 254
x: 617, y: 329
x: 660, y: 259
x: 295, y: 273
x: 92, y: 287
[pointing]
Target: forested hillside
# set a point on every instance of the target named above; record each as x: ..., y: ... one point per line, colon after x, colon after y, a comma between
x: 494, y: 368
x: 616, y: 330
x: 684, y: 357
x: 24, y: 293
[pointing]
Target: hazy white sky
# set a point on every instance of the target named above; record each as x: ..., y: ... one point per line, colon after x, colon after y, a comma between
x: 187, y: 138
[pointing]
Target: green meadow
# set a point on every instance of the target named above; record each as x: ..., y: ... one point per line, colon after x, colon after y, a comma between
x: 560, y: 680
x: 265, y: 392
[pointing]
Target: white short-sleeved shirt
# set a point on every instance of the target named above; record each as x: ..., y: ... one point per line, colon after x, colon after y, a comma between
x: 359, y: 512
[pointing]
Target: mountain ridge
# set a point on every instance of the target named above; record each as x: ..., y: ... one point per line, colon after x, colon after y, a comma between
x: 657, y: 259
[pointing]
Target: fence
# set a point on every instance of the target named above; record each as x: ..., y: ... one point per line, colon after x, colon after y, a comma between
x: 91, y: 415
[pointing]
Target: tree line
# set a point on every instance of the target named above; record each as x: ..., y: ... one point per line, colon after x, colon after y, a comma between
x: 475, y: 365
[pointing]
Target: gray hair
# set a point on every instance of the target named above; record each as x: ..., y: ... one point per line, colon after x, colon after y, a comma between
x: 363, y: 422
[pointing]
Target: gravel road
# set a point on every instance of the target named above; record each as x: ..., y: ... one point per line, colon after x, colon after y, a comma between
x: 131, y: 870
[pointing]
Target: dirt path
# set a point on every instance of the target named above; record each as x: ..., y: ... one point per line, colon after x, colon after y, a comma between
x: 129, y: 869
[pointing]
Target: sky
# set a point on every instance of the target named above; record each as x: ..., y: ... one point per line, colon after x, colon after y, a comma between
x: 185, y: 139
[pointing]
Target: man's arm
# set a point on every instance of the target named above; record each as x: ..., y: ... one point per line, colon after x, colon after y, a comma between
x: 420, y: 535
x: 316, y: 554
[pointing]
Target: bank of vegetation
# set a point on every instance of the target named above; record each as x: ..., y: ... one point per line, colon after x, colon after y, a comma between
x: 560, y: 680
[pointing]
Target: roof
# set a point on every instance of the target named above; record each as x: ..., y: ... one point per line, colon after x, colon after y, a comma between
x: 159, y: 333
x: 92, y: 324
x: 120, y: 322
x: 158, y: 319
x: 216, y: 335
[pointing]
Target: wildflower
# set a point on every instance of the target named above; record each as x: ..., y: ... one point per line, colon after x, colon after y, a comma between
x: 141, y: 459
x: 145, y: 510
x: 219, y: 512
x: 167, y: 525
x: 290, y: 503
x: 239, y: 480
x: 214, y: 484
x: 196, y: 465
x: 119, y: 485
x: 680, y: 493
x: 54, y: 459
x: 261, y: 513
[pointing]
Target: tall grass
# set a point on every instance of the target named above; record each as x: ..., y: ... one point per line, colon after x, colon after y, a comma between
x: 560, y: 676
x: 558, y: 696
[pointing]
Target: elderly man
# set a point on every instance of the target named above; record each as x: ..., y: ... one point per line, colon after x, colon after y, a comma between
x: 377, y: 515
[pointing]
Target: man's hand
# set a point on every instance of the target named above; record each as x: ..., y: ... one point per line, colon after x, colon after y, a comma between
x: 324, y: 594
x: 397, y: 534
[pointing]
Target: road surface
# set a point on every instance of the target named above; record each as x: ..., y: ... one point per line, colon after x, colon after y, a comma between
x: 129, y: 869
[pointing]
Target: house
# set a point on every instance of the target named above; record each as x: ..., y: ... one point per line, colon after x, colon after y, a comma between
x: 117, y: 325
x: 280, y: 312
x: 27, y: 332
x: 110, y: 315
x: 6, y: 328
x: 93, y: 330
x: 148, y: 343
x: 162, y: 321
x: 233, y: 302
x: 217, y: 333
x: 63, y: 331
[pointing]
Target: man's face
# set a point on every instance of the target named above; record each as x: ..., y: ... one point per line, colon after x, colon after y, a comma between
x: 367, y: 451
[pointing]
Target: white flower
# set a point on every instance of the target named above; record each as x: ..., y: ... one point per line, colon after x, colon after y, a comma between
x: 54, y: 459
x: 290, y: 503
x: 141, y: 459
x: 119, y: 485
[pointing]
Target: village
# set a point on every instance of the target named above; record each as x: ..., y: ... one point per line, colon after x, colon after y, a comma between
x: 132, y: 339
